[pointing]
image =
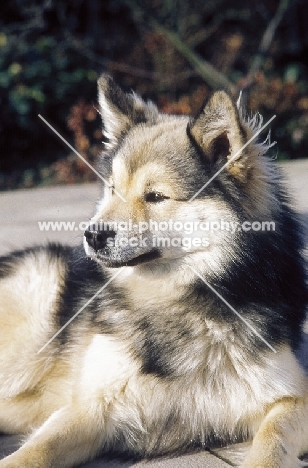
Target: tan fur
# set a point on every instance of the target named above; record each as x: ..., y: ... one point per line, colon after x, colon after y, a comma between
x: 35, y: 290
x: 282, y: 435
x: 93, y: 394
x: 119, y: 390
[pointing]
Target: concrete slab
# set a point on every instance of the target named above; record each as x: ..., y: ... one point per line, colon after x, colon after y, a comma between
x: 20, y: 212
x: 296, y: 173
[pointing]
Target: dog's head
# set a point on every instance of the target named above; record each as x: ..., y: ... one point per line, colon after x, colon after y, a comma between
x: 154, y: 207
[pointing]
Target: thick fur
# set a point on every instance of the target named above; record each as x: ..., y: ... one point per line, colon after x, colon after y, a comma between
x: 157, y: 364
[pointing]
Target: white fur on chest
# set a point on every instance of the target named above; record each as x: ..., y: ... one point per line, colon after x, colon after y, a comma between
x: 106, y: 367
x: 235, y: 391
x: 230, y: 392
x: 159, y: 285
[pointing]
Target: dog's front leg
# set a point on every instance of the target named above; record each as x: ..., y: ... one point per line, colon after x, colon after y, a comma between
x: 282, y: 436
x: 70, y: 436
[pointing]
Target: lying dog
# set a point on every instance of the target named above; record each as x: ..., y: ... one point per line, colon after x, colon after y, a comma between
x: 193, y: 313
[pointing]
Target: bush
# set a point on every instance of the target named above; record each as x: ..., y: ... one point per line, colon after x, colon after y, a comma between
x: 52, y: 52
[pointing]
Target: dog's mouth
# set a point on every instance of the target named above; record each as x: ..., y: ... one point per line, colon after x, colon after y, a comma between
x: 115, y: 250
x: 117, y: 263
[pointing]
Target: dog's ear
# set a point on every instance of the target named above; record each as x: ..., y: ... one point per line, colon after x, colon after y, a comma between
x: 217, y: 129
x: 119, y: 110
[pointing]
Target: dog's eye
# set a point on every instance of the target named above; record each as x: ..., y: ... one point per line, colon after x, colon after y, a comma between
x: 155, y: 197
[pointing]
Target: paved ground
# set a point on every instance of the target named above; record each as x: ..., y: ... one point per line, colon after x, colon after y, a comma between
x: 20, y: 212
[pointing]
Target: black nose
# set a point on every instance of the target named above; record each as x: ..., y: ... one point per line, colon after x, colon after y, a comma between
x: 98, y: 239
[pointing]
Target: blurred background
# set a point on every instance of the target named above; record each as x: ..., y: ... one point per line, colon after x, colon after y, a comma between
x: 174, y: 52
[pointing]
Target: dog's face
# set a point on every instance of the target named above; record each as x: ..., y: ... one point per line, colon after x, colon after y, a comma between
x: 154, y: 166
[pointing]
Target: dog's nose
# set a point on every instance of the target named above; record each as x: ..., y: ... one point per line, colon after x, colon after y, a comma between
x: 98, y: 239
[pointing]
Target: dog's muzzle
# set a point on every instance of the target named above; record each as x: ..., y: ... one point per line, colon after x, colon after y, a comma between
x: 116, y: 254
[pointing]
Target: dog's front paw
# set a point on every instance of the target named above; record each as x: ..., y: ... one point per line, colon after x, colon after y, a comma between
x: 270, y: 464
x: 273, y: 459
x: 17, y: 460
x: 9, y: 462
x: 6, y: 463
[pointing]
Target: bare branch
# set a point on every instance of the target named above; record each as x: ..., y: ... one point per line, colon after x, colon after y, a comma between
x: 86, y: 51
x: 210, y: 74
x: 266, y: 41
x: 204, y: 33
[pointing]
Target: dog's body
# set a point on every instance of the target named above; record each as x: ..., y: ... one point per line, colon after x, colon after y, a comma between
x: 158, y: 363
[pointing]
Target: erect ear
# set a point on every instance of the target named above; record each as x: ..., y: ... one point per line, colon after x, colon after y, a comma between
x: 217, y: 129
x: 120, y: 111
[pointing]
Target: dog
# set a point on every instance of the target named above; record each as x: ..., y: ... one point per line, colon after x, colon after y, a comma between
x: 185, y: 317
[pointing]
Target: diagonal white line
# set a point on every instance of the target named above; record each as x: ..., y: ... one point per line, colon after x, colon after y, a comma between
x: 233, y: 157
x: 232, y: 308
x: 81, y: 157
x: 81, y: 309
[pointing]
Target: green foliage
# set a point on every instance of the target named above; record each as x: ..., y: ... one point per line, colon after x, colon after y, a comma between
x: 42, y: 75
